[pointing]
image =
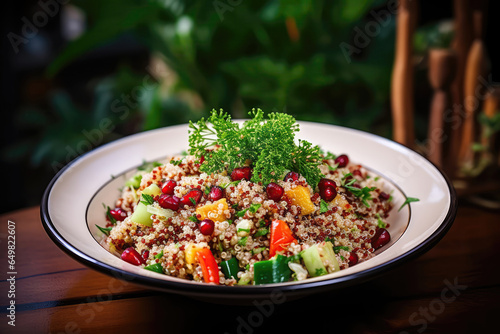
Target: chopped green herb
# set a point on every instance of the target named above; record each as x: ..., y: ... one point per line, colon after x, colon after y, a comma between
x: 235, y: 206
x: 242, y: 241
x: 193, y: 219
x: 343, y: 258
x: 380, y: 222
x: 363, y: 194
x: 206, y: 191
x: 175, y: 162
x: 148, y: 199
x: 323, y: 206
x: 268, y: 143
x: 192, y: 200
x: 333, y: 168
x: 376, y: 178
x: 261, y: 231
x: 262, y: 223
x: 320, y: 271
x: 243, y: 230
x: 408, y: 201
x: 330, y: 156
x: 110, y: 216
x: 230, y: 221
x: 332, y: 240
x: 159, y: 255
x: 241, y: 213
x: 258, y: 250
x: 254, y: 207
x: 104, y: 230
x: 337, y: 249
x: 247, y: 267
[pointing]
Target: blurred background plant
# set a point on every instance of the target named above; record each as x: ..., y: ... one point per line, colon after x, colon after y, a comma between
x: 140, y: 65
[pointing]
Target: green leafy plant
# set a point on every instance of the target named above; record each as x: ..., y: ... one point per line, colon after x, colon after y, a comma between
x: 236, y: 56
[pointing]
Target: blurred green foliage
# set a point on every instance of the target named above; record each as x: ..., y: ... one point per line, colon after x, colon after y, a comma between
x: 234, y: 55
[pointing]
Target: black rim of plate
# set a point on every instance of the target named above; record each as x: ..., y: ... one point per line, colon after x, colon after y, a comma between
x: 255, y: 291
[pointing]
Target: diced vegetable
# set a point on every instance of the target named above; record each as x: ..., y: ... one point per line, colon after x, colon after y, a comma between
x: 152, y: 190
x: 190, y: 253
x: 300, y: 272
x: 313, y: 262
x: 209, y: 266
x: 281, y: 237
x: 134, y: 181
x: 160, y: 212
x: 328, y: 255
x: 141, y: 215
x: 301, y: 197
x: 213, y: 211
x: 243, y: 227
x: 245, y: 278
x: 275, y: 270
x: 230, y: 267
x: 156, y: 267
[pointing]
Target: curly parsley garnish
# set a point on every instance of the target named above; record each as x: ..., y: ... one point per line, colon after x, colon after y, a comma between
x: 268, y: 143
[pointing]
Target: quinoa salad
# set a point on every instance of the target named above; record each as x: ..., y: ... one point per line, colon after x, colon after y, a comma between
x: 248, y: 205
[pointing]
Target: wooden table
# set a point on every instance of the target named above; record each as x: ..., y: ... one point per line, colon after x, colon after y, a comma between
x: 454, y: 288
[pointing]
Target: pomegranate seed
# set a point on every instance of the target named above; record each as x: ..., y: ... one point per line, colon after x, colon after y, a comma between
x: 131, y: 256
x: 323, y: 183
x: 145, y: 254
x: 381, y: 238
x: 207, y: 226
x: 327, y: 189
x: 118, y: 214
x: 192, y: 198
x: 169, y: 202
x: 342, y: 160
x: 274, y: 191
x: 241, y: 173
x: 384, y: 196
x: 168, y: 187
x: 216, y: 193
x: 291, y: 176
x: 353, y: 259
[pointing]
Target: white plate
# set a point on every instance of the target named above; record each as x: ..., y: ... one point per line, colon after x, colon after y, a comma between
x: 72, y: 205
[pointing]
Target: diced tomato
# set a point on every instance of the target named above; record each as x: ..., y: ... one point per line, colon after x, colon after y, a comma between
x: 281, y: 237
x: 209, y: 266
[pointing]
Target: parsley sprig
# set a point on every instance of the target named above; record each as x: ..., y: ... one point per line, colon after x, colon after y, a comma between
x: 362, y: 193
x: 408, y: 201
x: 268, y: 143
x: 147, y: 199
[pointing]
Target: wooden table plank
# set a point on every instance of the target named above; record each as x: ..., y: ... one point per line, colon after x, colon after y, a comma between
x: 57, y: 294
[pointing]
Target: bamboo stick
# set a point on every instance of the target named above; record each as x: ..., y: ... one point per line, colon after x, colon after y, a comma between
x: 402, y: 75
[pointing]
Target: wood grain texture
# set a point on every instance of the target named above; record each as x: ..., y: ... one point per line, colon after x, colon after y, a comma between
x: 402, y: 100
x: 462, y: 41
x: 55, y: 294
x: 442, y: 68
